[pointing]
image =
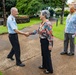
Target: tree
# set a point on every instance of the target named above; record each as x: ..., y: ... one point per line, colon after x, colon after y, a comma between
x: 4, y: 12
x: 62, y: 13
x: 9, y: 4
x: 62, y: 6
x: 58, y: 3
x: 22, y: 6
x: 31, y: 7
x: 6, y: 6
x: 45, y: 1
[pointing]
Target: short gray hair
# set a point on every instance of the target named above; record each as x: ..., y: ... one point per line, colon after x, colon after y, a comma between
x: 13, y: 8
x: 45, y: 13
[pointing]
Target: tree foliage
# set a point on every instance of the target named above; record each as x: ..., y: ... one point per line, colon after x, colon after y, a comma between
x: 33, y: 6
x: 8, y: 4
x: 28, y: 6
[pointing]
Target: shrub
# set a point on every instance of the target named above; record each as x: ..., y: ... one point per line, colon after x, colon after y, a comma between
x: 66, y: 12
x: 22, y: 19
x: 51, y: 12
x: 58, y: 12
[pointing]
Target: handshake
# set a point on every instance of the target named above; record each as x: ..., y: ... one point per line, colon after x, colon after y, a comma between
x: 30, y: 33
x: 27, y: 34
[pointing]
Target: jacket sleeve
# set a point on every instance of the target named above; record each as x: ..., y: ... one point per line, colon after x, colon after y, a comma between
x: 49, y: 32
x: 34, y: 32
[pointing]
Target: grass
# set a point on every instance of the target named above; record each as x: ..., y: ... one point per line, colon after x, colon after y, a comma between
x: 32, y: 22
x: 3, y: 29
x: 58, y: 31
x: 0, y: 73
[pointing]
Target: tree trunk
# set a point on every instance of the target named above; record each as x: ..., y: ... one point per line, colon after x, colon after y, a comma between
x: 4, y: 13
x: 62, y: 13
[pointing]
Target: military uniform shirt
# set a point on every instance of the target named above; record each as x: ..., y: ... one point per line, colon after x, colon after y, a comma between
x: 11, y: 24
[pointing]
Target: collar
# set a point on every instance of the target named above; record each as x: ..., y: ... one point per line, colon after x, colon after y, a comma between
x: 73, y: 13
x: 12, y: 16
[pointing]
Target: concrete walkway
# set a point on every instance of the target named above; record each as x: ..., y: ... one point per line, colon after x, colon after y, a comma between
x: 31, y: 56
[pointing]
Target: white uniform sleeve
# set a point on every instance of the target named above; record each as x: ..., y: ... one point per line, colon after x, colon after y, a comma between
x: 12, y: 24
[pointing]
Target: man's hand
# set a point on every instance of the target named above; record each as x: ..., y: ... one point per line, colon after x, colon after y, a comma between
x: 27, y: 34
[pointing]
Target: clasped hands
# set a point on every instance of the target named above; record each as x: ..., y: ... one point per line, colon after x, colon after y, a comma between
x: 27, y: 34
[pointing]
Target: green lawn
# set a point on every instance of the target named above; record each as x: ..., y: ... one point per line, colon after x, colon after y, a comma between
x: 58, y: 31
x: 33, y: 21
x: 0, y: 73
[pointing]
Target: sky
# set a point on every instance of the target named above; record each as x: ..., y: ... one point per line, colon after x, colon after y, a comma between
x: 69, y: 1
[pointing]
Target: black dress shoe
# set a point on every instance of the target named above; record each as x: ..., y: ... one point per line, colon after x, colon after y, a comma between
x: 47, y: 72
x: 70, y: 54
x: 41, y: 67
x: 21, y: 65
x: 10, y: 58
x: 63, y: 53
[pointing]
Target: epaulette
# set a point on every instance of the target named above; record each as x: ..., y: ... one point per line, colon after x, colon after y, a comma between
x: 12, y: 19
